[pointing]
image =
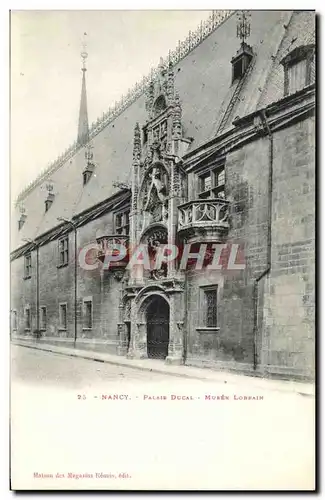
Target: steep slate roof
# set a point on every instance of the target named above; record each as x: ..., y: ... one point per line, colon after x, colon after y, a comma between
x: 203, y: 80
x: 300, y: 31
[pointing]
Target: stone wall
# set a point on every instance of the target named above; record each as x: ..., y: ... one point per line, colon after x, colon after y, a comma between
x: 269, y: 324
x: 288, y: 344
x: 247, y: 190
x: 56, y: 285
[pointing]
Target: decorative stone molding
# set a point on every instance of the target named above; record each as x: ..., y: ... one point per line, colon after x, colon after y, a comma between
x: 110, y: 244
x: 136, y: 144
x: 203, y: 220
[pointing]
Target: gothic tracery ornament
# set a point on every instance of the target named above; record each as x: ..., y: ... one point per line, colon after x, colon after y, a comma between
x: 137, y: 143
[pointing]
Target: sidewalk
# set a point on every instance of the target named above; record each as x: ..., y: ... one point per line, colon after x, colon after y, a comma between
x: 158, y: 366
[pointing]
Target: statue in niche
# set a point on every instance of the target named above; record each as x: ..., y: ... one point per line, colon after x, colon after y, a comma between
x: 155, y: 199
x: 155, y: 239
x: 149, y: 158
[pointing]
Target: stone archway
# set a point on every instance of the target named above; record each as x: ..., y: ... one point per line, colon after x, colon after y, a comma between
x: 150, y: 326
x: 157, y: 320
x: 157, y: 324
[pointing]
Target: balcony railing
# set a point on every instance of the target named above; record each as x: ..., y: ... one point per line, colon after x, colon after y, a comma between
x: 111, y: 245
x: 203, y: 214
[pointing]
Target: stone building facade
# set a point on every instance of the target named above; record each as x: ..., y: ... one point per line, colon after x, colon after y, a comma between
x: 214, y: 151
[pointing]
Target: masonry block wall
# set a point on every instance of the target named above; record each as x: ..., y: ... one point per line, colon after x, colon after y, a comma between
x: 102, y: 288
x: 56, y: 286
x: 22, y: 294
x: 247, y: 189
x: 289, y: 303
x: 266, y: 324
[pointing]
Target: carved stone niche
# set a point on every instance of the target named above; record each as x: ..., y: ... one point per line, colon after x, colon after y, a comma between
x: 127, y: 311
x: 153, y: 196
x: 155, y: 237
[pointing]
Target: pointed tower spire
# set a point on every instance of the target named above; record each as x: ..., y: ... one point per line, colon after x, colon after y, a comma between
x: 83, y: 127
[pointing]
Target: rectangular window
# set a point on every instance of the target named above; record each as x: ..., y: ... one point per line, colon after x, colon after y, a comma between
x: 14, y: 322
x: 221, y: 178
x: 160, y: 131
x: 64, y: 251
x: 297, y: 76
x: 212, y: 183
x: 122, y: 223
x: 27, y: 318
x: 63, y: 316
x: 299, y: 69
x: 43, y: 319
x: 88, y: 314
x: 118, y: 220
x: 28, y: 266
x: 206, y: 182
x: 210, y: 296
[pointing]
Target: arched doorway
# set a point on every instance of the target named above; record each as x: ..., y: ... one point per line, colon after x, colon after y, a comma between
x: 157, y: 319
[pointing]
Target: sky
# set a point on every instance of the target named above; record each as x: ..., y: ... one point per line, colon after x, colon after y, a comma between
x: 46, y: 73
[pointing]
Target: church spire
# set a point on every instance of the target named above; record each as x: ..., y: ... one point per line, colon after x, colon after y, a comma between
x: 83, y: 127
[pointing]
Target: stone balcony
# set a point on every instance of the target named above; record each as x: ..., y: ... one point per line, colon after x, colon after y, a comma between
x: 203, y: 220
x: 111, y: 244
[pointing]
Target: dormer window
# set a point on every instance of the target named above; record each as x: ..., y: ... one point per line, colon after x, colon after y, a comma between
x: 90, y: 166
x: 23, y: 217
x: 87, y: 173
x: 299, y: 69
x: 241, y: 61
x: 48, y: 203
x: 50, y: 197
x: 21, y: 221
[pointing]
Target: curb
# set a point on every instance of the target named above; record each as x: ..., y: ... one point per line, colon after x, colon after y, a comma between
x: 299, y: 391
x: 109, y: 361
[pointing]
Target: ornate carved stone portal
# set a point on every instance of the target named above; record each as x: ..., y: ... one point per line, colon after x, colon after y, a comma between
x: 157, y: 192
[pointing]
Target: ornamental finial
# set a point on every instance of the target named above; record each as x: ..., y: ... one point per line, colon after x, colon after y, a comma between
x: 243, y: 25
x: 137, y: 143
x: 49, y: 186
x: 84, y: 53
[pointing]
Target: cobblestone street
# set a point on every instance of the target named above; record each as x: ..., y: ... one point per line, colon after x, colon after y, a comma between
x: 162, y: 431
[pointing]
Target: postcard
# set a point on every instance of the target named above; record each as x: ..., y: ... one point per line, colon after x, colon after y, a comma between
x: 162, y: 261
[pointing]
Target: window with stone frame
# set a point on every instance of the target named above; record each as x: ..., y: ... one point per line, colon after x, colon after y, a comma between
x: 210, y: 306
x: 43, y: 318
x: 122, y: 222
x: 86, y: 176
x: 28, y: 266
x: 299, y: 69
x: 211, y: 182
x: 160, y: 131
x: 64, y: 251
x: 14, y: 320
x: 27, y: 318
x: 87, y: 314
x: 63, y: 309
x: 21, y: 222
